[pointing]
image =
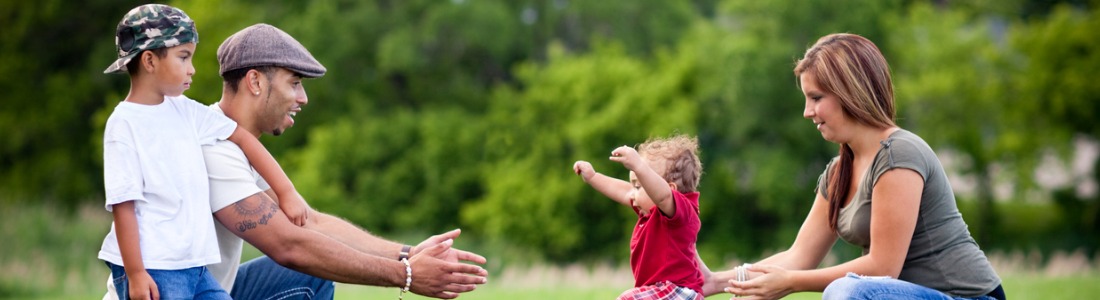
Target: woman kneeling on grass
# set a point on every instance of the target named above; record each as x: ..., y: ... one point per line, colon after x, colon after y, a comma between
x: 886, y: 192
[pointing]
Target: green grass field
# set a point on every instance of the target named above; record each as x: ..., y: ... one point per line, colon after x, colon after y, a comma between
x: 1016, y: 287
x: 50, y: 255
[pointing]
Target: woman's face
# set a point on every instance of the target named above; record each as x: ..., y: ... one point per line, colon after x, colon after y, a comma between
x: 824, y: 109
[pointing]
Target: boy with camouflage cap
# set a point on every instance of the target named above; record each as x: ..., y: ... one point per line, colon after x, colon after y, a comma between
x: 155, y: 177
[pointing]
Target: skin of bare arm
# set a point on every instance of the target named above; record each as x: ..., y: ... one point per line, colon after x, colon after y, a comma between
x: 658, y: 189
x: 141, y: 283
x: 257, y: 220
x: 893, y: 221
x: 810, y: 246
x: 616, y: 189
x: 292, y: 203
x: 362, y: 240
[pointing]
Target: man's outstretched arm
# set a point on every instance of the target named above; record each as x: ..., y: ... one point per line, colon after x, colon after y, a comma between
x: 258, y: 220
x: 362, y: 240
x: 349, y: 234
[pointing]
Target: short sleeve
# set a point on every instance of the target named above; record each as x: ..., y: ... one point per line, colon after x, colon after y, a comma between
x: 685, y: 210
x: 210, y: 125
x: 823, y: 180
x: 900, y: 153
x: 231, y: 177
x: 122, y: 178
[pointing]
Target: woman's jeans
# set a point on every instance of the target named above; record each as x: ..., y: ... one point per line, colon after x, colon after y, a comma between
x: 871, y: 287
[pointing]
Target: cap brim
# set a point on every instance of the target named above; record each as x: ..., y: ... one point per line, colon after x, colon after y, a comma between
x: 308, y: 73
x: 119, y: 66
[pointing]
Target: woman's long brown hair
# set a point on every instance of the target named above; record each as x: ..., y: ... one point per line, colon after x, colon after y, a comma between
x: 852, y: 68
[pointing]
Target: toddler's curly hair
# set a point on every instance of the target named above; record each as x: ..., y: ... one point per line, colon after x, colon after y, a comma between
x: 681, y: 155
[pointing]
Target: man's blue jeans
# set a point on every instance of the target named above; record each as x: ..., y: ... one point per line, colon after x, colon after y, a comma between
x: 263, y: 279
x: 191, y: 283
x: 865, y: 287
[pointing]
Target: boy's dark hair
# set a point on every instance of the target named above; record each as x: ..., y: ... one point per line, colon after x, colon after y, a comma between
x: 232, y: 78
x: 135, y: 64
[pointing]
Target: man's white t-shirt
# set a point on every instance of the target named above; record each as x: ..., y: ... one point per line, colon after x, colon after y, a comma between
x: 152, y: 155
x: 232, y: 179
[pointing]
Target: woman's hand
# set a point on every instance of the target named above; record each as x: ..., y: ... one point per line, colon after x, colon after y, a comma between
x: 773, y: 283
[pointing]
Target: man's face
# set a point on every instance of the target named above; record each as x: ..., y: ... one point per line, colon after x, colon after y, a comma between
x: 284, y: 98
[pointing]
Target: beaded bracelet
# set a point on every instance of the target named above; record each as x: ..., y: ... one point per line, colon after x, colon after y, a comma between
x: 408, y: 278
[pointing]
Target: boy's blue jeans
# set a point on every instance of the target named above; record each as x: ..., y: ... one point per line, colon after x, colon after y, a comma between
x: 191, y: 283
x: 863, y: 287
x: 262, y: 279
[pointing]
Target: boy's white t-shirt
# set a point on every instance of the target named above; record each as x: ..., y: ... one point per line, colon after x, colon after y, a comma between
x: 152, y: 154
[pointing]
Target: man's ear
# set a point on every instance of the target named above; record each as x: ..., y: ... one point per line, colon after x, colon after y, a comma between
x: 254, y: 80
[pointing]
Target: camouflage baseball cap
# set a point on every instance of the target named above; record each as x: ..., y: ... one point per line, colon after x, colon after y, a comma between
x: 148, y: 27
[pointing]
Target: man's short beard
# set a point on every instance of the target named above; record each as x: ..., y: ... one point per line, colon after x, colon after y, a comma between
x: 267, y: 102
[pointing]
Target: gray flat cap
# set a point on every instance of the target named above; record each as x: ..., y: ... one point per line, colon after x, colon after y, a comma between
x: 264, y: 45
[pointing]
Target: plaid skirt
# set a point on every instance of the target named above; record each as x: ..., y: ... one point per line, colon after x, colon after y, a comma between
x: 663, y: 290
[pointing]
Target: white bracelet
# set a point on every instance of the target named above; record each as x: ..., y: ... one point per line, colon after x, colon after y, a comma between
x: 743, y: 272
x: 408, y: 278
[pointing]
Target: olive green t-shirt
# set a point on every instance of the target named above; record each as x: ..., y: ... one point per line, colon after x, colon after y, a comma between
x: 942, y: 255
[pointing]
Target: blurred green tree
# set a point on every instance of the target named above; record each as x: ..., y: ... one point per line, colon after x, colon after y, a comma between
x: 1056, y: 57
x: 51, y: 75
x: 576, y: 107
x: 436, y: 114
x: 417, y: 85
x: 1001, y: 92
x: 950, y: 90
x: 763, y: 156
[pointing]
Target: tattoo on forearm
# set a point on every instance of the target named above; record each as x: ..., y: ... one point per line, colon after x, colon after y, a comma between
x: 254, y: 216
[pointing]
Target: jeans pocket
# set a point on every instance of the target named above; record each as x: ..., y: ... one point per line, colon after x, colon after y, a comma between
x: 119, y: 280
x: 122, y: 286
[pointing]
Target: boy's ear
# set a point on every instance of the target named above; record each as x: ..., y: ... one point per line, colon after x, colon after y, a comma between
x: 148, y: 61
x: 672, y: 185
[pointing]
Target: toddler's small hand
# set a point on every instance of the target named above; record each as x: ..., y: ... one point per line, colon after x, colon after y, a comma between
x: 584, y: 169
x: 627, y: 156
x: 295, y: 209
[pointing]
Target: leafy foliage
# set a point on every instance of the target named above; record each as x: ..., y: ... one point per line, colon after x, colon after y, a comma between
x: 438, y: 114
x: 537, y: 133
